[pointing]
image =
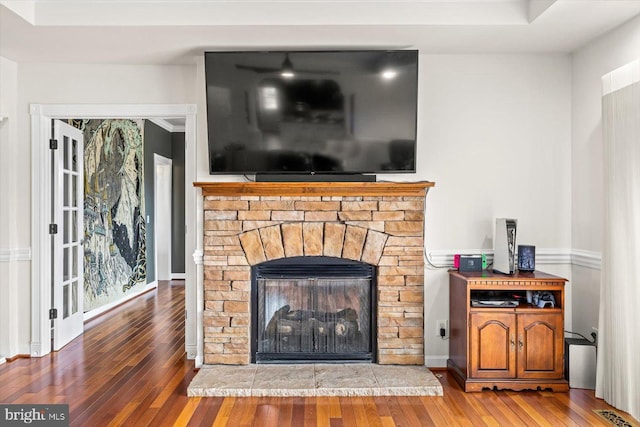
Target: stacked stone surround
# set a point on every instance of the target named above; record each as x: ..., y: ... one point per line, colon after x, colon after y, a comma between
x: 385, y: 231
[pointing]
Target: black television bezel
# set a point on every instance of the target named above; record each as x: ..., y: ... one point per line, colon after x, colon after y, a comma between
x: 310, y: 172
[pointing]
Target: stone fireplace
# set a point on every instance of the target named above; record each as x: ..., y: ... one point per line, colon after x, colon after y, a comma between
x: 378, y: 224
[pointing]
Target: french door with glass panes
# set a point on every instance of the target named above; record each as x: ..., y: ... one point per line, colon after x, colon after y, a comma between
x: 68, y: 234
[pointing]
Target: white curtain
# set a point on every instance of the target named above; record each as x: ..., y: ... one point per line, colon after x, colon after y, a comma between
x: 618, y: 378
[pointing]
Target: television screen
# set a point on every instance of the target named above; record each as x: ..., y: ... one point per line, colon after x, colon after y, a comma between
x: 305, y: 112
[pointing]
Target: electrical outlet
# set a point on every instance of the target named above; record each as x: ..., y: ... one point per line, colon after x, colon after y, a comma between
x: 442, y: 324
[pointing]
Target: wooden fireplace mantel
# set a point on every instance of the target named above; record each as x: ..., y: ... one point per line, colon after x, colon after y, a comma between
x: 369, y: 189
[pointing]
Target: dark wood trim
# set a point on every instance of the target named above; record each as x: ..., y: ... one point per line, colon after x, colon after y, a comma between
x: 553, y: 385
x: 369, y: 189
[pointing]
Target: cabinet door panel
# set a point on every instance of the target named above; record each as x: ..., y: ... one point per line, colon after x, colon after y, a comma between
x: 540, y: 341
x: 492, y: 345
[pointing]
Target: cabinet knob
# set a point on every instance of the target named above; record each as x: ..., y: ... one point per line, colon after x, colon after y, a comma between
x: 520, y: 343
x: 513, y: 344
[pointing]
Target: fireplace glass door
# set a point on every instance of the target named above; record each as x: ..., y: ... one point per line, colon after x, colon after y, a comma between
x: 314, y: 317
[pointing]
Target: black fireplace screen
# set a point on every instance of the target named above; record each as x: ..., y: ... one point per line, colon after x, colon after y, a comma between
x: 317, y: 309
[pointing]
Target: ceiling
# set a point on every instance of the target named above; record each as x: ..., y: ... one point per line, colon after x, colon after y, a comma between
x: 178, y: 31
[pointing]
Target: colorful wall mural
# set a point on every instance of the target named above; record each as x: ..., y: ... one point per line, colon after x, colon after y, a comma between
x: 114, y: 213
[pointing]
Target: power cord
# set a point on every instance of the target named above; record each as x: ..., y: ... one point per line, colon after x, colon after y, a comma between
x: 593, y: 336
x: 443, y: 334
x: 434, y: 266
x: 427, y: 257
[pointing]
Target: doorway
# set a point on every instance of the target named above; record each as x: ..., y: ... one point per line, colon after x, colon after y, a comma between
x: 41, y: 117
x: 162, y: 167
x: 67, y: 234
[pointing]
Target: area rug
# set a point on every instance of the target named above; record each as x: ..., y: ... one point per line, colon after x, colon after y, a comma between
x: 349, y: 379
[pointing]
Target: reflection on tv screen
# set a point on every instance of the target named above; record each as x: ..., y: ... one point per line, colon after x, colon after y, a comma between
x: 303, y: 112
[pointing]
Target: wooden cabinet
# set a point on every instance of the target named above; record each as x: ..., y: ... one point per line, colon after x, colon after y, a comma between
x: 507, y: 346
x: 540, y: 345
x: 492, y: 345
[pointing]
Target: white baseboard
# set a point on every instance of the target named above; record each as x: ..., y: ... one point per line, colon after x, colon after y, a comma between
x: 178, y: 276
x: 3, y: 360
x: 35, y: 349
x: 435, y: 361
x: 192, y: 351
x: 98, y: 311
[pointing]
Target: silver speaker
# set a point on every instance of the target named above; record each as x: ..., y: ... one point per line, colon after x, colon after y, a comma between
x: 504, y: 246
x: 580, y: 363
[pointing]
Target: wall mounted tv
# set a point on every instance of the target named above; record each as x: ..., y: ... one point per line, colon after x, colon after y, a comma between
x: 312, y: 112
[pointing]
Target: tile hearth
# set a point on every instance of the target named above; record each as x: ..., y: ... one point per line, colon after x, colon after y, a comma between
x: 353, y: 379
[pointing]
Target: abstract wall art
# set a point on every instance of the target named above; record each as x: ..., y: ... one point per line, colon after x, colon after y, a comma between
x: 114, y: 214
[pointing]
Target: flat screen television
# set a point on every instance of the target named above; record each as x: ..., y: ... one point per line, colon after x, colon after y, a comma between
x: 312, y: 112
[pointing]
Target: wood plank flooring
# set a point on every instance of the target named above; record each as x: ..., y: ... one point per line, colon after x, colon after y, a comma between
x: 129, y: 368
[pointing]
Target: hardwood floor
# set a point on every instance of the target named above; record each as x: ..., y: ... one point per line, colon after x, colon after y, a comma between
x: 129, y: 368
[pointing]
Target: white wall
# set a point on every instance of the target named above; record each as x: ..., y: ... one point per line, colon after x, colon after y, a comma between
x: 46, y: 83
x: 14, y: 251
x: 494, y: 134
x: 589, y: 64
